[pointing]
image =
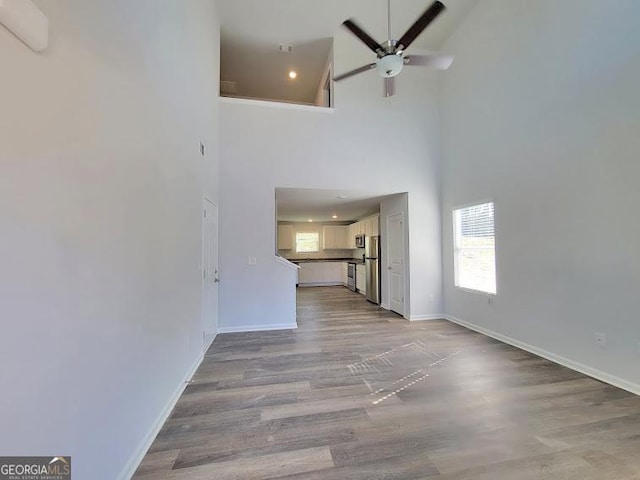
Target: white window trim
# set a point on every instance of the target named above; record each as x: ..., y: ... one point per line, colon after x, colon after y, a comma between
x: 307, y: 233
x: 456, y: 248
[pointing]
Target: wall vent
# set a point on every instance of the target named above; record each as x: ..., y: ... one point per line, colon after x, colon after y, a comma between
x: 228, y: 87
x: 285, y: 48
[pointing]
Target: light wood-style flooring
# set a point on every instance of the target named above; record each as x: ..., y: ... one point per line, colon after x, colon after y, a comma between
x: 358, y: 393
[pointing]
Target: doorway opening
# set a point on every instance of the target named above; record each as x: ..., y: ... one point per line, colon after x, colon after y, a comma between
x: 340, y: 238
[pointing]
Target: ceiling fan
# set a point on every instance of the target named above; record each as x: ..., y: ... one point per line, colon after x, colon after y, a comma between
x: 391, y: 57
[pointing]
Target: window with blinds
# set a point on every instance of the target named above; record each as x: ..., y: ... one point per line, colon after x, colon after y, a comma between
x: 475, y: 248
x: 307, y: 242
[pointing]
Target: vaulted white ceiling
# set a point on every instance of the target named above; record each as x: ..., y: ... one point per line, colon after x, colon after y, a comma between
x: 252, y: 29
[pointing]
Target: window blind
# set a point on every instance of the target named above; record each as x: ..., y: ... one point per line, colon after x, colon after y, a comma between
x: 474, y: 248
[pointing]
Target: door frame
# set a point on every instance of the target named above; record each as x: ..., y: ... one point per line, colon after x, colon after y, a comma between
x: 405, y: 309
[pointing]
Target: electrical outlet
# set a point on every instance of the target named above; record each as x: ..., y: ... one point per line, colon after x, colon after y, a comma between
x: 252, y: 260
x: 601, y: 339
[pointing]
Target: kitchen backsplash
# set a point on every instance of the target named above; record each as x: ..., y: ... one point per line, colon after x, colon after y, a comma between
x: 323, y: 254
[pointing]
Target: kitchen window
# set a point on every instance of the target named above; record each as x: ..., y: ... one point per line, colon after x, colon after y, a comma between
x: 475, y: 248
x: 307, y: 242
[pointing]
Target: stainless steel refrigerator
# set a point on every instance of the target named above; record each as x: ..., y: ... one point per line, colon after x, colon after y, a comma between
x: 372, y: 268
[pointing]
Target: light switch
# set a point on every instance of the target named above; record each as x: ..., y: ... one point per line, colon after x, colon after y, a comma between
x: 252, y: 260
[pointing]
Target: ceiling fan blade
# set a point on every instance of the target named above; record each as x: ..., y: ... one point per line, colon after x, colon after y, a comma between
x: 435, y: 60
x: 423, y: 22
x: 354, y: 72
x: 389, y: 87
x: 364, y: 37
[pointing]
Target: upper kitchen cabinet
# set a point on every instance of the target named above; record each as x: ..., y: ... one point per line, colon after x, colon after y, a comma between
x: 353, y: 231
x: 368, y: 226
x: 371, y: 226
x: 335, y: 237
x: 285, y: 237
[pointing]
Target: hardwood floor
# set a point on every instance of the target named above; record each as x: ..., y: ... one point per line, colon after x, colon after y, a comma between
x: 358, y: 393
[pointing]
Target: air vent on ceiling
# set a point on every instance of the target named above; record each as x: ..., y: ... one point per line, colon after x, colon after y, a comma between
x: 285, y: 48
x: 228, y: 87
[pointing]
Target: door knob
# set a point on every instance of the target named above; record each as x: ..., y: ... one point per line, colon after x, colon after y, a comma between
x: 216, y: 280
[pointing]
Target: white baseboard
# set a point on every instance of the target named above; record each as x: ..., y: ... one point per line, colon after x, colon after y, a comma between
x: 386, y: 306
x: 210, y: 342
x: 419, y: 318
x: 258, y: 328
x: 321, y: 284
x: 565, y: 362
x: 132, y: 465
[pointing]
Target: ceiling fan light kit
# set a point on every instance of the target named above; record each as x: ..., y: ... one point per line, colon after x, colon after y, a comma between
x: 391, y: 54
x: 389, y: 65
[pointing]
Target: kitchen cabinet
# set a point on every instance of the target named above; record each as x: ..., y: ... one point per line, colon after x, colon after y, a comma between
x: 343, y: 239
x: 320, y: 273
x: 361, y: 279
x: 285, y: 237
x: 367, y: 227
x: 371, y: 226
x: 332, y: 273
x: 352, y: 236
x: 357, y: 228
x: 335, y: 237
x: 306, y: 273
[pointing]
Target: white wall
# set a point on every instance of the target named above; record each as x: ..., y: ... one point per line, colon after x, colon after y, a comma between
x: 368, y: 143
x: 321, y: 99
x: 541, y: 113
x: 101, y: 186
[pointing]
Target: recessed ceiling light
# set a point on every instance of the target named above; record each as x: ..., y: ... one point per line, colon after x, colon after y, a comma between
x: 293, y: 74
x: 334, y: 216
x: 342, y: 197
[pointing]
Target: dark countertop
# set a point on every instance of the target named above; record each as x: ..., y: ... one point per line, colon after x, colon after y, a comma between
x: 325, y: 260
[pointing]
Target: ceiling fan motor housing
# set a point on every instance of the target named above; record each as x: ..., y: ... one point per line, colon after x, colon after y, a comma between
x: 390, y: 65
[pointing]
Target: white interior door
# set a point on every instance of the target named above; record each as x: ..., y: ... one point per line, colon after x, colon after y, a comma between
x: 395, y: 267
x: 210, y: 273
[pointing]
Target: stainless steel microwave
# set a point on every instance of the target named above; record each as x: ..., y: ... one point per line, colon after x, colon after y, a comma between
x: 359, y: 241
